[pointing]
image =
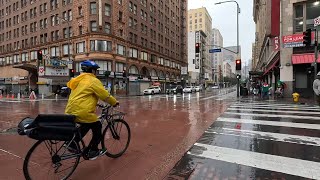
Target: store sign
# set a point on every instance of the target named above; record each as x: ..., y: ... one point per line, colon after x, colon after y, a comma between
x: 317, y: 21
x: 41, y: 71
x: 56, y: 63
x: 295, y: 40
x: 276, y: 44
x: 57, y: 71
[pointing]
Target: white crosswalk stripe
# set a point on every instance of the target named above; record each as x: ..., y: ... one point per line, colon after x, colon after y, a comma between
x: 265, y: 122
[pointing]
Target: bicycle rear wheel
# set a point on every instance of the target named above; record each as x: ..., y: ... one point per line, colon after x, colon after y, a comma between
x: 116, y: 138
x: 50, y: 159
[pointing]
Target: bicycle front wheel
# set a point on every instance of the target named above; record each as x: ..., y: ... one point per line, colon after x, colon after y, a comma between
x: 50, y: 159
x: 116, y: 138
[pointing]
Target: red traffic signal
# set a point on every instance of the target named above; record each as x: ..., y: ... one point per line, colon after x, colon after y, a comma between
x: 39, y: 55
x: 197, y: 47
x: 238, y: 64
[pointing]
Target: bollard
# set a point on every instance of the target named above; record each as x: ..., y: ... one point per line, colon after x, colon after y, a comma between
x: 0, y: 96
x: 12, y: 96
x: 42, y: 96
x: 7, y: 96
x: 19, y: 96
x: 56, y: 96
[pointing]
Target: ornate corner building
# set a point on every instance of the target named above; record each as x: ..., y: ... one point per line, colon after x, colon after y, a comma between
x: 135, y: 42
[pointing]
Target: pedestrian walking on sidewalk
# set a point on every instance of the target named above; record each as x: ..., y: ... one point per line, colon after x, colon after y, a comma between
x: 316, y: 87
x: 265, y: 90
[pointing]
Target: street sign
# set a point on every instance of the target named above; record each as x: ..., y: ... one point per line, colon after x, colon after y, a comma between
x: 317, y: 21
x: 41, y: 70
x: 214, y: 50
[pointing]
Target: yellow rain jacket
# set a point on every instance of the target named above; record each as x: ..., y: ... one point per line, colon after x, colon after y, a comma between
x: 86, y: 90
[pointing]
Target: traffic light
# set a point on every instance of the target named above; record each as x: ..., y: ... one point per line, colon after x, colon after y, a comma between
x: 197, y: 47
x: 238, y: 64
x: 238, y: 76
x: 124, y: 73
x: 307, y: 37
x: 39, y: 55
x: 71, y: 72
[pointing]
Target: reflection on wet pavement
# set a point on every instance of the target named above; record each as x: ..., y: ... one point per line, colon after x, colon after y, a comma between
x: 256, y: 140
x: 163, y: 128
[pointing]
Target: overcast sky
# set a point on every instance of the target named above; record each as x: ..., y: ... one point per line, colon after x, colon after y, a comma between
x: 224, y: 18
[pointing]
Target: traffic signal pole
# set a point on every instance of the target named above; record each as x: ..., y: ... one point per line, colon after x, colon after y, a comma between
x: 316, y: 55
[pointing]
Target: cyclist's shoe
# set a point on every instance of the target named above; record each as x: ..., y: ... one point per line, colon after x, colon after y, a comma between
x: 94, y: 154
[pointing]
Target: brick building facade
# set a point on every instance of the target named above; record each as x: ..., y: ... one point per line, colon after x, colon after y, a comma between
x: 143, y: 40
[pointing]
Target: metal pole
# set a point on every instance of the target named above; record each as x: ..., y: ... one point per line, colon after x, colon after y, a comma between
x: 238, y: 12
x: 315, y: 56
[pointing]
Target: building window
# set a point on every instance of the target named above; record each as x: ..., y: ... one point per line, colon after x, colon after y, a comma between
x: 54, y: 52
x: 313, y: 11
x: 135, y: 9
x: 121, y: 50
x: 119, y: 67
x: 80, y: 47
x: 34, y: 55
x: 93, y: 8
x: 153, y: 58
x: 80, y: 11
x: 120, y: 16
x: 65, y: 49
x: 80, y: 30
x: 120, y: 2
x: 104, y: 65
x: 130, y: 6
x: 298, y: 20
x: 99, y: 45
x: 200, y: 20
x: 133, y: 53
x: 130, y: 21
x: 107, y: 28
x: 144, y: 56
x: 70, y: 15
x: 107, y: 10
x: 93, y: 25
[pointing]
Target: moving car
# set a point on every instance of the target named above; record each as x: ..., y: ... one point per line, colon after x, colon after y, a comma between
x: 64, y: 91
x: 198, y: 88
x: 152, y: 90
x: 175, y: 89
x: 189, y: 89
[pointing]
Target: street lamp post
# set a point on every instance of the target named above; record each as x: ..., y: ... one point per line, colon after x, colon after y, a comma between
x: 238, y: 12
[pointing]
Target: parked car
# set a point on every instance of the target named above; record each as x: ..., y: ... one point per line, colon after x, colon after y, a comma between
x: 215, y: 87
x: 198, y: 88
x: 175, y: 89
x: 189, y: 89
x: 152, y: 90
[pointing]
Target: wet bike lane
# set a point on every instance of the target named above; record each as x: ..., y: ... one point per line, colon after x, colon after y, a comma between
x: 162, y: 130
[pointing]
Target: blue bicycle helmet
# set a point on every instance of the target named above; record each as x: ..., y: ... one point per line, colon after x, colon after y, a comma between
x: 88, y: 66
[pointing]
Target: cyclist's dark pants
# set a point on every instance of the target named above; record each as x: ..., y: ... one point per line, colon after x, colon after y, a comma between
x: 96, y: 133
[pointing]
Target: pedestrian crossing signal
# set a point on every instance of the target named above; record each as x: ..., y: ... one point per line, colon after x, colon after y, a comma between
x: 39, y: 55
x: 71, y: 72
x: 307, y: 37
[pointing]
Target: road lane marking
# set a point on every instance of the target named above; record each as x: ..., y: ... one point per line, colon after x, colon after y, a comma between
x: 10, y: 153
x: 278, y: 107
x: 277, y: 111
x: 273, y: 115
x: 272, y: 104
x: 271, y: 123
x: 218, y: 95
x: 297, y: 167
x: 295, y: 139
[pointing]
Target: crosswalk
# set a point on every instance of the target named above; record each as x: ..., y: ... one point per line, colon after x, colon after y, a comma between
x: 257, y: 140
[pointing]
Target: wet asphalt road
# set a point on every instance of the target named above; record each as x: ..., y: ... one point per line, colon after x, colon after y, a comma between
x: 163, y: 128
x: 256, y: 140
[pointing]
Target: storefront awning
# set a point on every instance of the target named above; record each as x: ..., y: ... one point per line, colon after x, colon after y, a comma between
x: 277, y: 59
x: 306, y: 58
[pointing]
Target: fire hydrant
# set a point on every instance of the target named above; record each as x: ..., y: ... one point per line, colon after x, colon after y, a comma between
x: 295, y: 97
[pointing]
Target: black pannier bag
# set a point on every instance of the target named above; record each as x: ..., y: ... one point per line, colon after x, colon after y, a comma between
x: 49, y: 127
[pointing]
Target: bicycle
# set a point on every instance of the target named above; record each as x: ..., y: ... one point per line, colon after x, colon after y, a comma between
x: 58, y: 149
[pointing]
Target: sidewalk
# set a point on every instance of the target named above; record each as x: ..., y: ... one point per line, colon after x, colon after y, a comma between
x: 286, y: 100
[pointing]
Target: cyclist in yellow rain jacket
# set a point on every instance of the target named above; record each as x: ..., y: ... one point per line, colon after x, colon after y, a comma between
x: 86, y: 90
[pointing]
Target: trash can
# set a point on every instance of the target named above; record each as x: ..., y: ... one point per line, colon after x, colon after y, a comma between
x: 295, y: 97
